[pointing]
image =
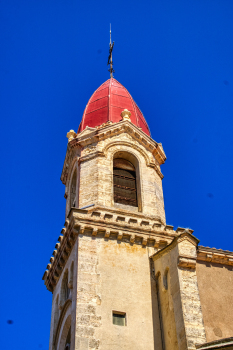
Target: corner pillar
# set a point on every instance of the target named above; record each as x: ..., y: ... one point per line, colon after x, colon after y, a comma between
x: 181, y: 314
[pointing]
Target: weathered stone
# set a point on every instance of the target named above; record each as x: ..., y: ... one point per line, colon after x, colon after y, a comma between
x: 124, y: 259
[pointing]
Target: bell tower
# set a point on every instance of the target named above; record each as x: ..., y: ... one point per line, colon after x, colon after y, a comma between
x: 104, y: 293
x: 112, y: 137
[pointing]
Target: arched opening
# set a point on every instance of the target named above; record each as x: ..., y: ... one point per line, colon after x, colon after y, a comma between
x: 126, y: 180
x: 166, y: 312
x: 63, y: 334
x: 70, y: 284
x: 158, y: 286
x: 73, y: 190
x: 65, y: 291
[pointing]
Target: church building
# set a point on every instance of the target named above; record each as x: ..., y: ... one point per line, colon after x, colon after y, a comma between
x: 121, y: 278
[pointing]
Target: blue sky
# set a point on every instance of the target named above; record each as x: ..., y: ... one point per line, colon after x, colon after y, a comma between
x: 174, y: 57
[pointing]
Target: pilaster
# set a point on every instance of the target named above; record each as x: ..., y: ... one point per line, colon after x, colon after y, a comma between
x: 179, y: 259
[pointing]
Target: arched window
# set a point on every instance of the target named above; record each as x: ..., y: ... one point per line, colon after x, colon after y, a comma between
x: 73, y: 190
x: 124, y: 182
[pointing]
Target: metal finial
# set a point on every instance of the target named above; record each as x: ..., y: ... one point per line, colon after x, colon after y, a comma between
x: 110, y: 62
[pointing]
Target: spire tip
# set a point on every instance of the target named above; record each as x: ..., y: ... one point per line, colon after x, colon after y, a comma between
x: 110, y: 62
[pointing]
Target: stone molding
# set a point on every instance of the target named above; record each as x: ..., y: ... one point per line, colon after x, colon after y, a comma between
x: 149, y: 163
x: 86, y: 131
x: 94, y: 135
x: 112, y: 223
x: 128, y: 144
x: 121, y: 225
x: 213, y: 255
x: 72, y: 156
x: 183, y: 261
x: 187, y: 262
x: 226, y: 343
x: 90, y: 156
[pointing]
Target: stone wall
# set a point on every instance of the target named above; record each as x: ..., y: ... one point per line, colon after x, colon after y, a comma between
x: 127, y: 260
x: 181, y: 314
x: 96, y: 177
x: 114, y: 276
x: 215, y: 282
x: 94, y: 150
x: 109, y: 251
x: 60, y: 316
x: 167, y: 278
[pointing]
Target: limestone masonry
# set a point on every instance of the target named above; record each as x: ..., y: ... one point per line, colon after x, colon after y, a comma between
x: 120, y: 277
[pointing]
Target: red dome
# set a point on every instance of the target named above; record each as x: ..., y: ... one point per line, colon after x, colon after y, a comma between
x: 107, y: 103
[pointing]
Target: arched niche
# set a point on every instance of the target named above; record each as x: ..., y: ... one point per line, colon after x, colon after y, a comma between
x: 71, y: 275
x: 126, y: 181
x: 65, y: 290
x: 73, y: 190
x: 63, y: 328
x: 56, y: 314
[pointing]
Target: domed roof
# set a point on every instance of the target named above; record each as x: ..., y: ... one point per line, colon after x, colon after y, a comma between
x: 107, y: 103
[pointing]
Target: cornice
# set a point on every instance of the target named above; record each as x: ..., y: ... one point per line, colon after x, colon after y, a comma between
x: 129, y: 227
x: 206, y: 254
x: 183, y: 261
x: 225, y: 343
x: 95, y: 135
x: 213, y: 255
x: 127, y: 213
x: 90, y: 156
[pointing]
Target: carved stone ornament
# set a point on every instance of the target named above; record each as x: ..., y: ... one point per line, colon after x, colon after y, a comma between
x: 71, y: 135
x: 89, y: 149
x: 125, y: 114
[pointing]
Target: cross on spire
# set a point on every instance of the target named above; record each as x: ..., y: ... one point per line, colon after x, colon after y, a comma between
x: 110, y: 62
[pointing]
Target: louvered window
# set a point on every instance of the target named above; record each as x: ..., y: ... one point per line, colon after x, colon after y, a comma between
x: 124, y: 181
